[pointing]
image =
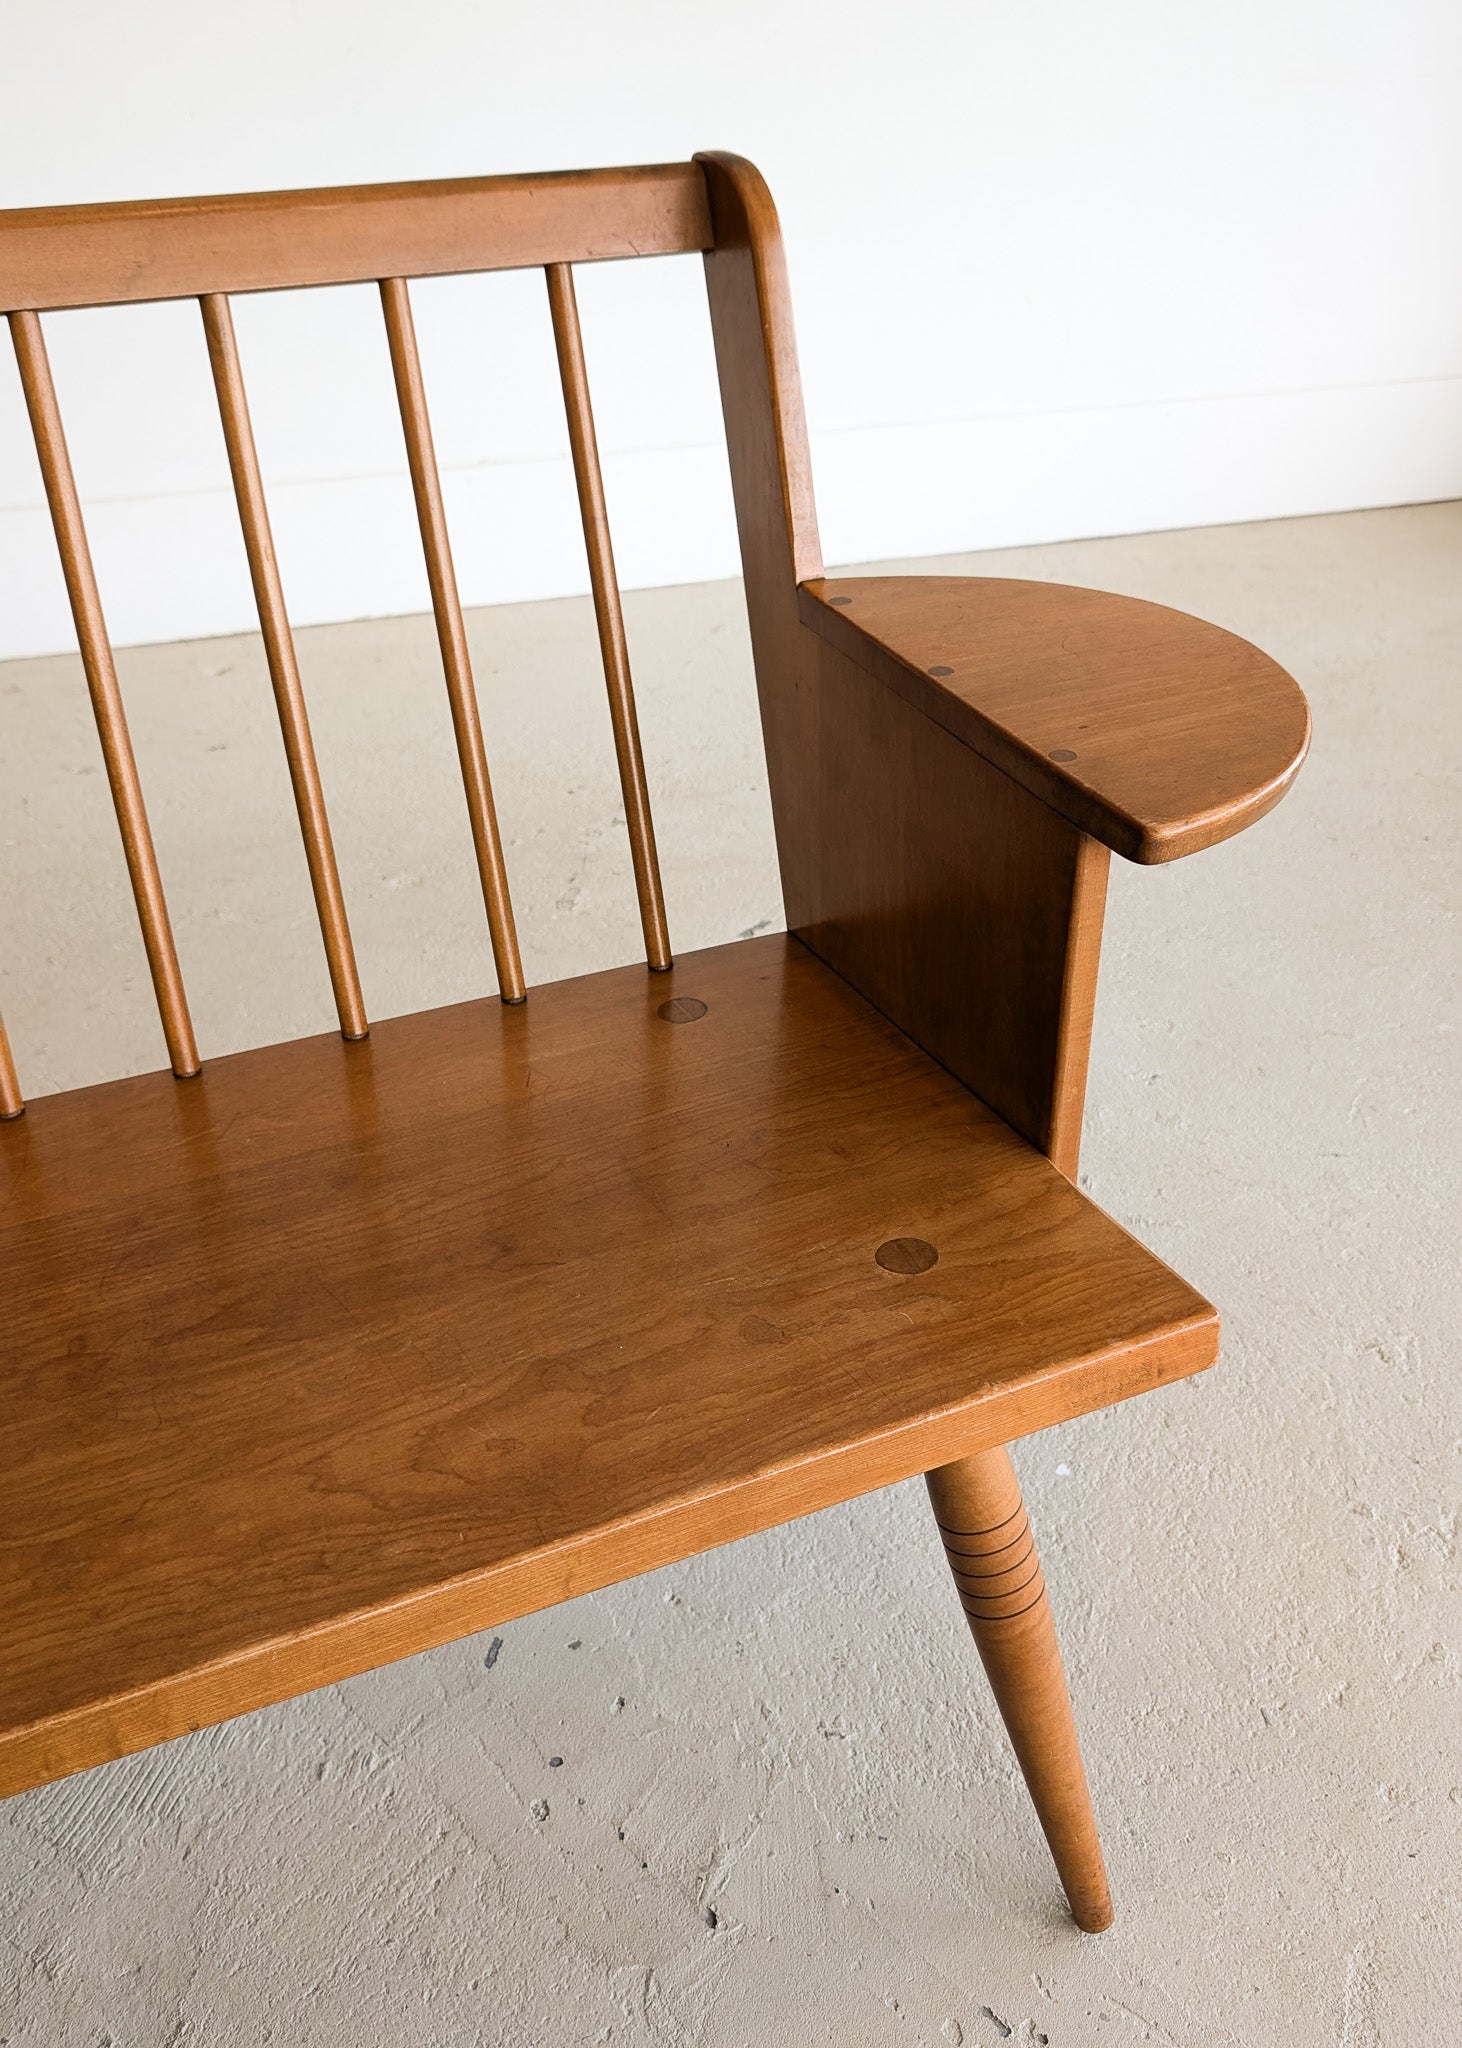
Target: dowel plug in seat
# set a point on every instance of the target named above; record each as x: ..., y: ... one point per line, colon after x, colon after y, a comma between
x: 317, y: 1355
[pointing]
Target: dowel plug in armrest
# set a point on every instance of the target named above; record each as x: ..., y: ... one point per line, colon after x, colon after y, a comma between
x: 1154, y: 732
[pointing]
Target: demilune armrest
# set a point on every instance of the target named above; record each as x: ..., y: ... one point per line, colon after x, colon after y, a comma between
x: 1154, y: 732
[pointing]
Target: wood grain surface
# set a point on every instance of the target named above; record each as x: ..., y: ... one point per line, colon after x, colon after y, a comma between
x: 271, y: 241
x: 962, y: 907
x: 348, y: 1348
x: 441, y: 574
x: 997, y: 1574
x: 958, y: 903
x: 608, y: 612
x: 94, y: 643
x: 342, y: 1350
x: 284, y: 674
x: 1155, y: 732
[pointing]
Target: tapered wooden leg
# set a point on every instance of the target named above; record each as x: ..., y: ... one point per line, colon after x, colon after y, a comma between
x: 992, y: 1554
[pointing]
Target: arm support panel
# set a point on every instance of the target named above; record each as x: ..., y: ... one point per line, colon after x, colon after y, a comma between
x: 1154, y: 732
x: 944, y: 837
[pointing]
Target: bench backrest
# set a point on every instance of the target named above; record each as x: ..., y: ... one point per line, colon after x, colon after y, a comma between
x: 208, y: 249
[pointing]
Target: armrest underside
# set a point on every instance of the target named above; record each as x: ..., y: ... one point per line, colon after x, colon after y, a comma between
x: 1154, y: 732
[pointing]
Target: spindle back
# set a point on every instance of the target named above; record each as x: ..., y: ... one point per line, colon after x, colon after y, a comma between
x: 210, y: 249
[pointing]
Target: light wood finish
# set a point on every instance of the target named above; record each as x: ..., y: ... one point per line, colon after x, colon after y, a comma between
x: 761, y: 387
x: 269, y: 241
x: 966, y: 910
x: 1071, y: 1025
x: 992, y: 1554
x: 289, y: 696
x: 608, y: 613
x: 404, y: 1338
x: 452, y: 638
x: 945, y: 893
x: 938, y: 857
x: 12, y: 1102
x: 1155, y: 732
x: 106, y: 695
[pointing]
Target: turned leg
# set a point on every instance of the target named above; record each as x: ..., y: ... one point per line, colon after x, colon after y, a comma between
x: 992, y: 1554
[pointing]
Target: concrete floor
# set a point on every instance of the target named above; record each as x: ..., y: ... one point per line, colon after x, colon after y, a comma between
x: 785, y: 1812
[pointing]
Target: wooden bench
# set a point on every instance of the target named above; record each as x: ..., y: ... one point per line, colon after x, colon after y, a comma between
x: 321, y: 1354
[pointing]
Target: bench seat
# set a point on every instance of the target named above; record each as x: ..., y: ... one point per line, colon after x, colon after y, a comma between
x: 343, y: 1350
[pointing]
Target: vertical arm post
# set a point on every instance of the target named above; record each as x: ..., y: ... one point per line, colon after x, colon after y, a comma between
x: 955, y: 901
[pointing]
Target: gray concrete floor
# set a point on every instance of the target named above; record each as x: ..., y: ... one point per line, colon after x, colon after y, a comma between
x: 786, y: 1812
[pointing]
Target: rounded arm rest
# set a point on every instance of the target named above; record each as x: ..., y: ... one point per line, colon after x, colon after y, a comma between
x: 1154, y: 732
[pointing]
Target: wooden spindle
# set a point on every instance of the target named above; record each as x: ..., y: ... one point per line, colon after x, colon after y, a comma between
x: 12, y: 1102
x: 992, y: 1554
x: 569, y: 341
x: 452, y: 635
x: 289, y: 696
x: 106, y: 696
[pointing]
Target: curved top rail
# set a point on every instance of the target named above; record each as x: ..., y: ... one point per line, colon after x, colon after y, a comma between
x: 54, y: 256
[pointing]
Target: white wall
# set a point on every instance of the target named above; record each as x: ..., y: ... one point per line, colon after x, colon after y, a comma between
x: 1059, y: 270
